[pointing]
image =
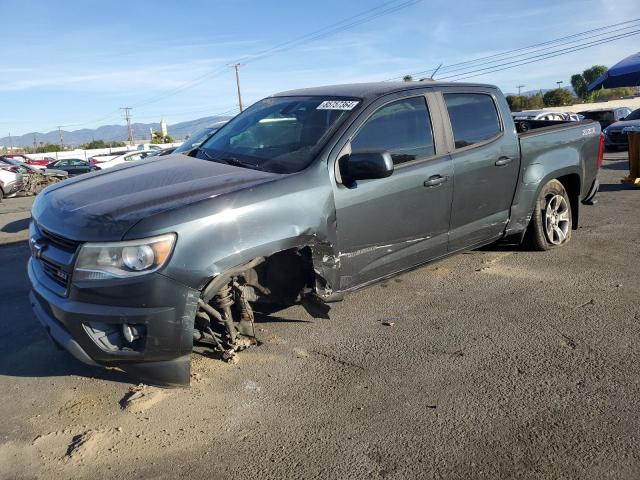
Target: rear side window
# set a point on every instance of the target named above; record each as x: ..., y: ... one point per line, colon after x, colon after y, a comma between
x: 402, y: 128
x: 473, y: 116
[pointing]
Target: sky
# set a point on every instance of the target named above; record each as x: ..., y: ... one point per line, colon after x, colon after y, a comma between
x: 75, y: 63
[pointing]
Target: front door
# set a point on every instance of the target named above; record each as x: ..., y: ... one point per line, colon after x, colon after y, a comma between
x: 486, y: 162
x: 391, y: 224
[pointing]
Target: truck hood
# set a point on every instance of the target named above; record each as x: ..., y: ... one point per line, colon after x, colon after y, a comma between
x: 103, y: 205
x: 618, y: 126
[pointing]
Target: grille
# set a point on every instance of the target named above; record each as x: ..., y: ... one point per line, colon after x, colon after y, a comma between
x: 56, y: 273
x: 59, y: 241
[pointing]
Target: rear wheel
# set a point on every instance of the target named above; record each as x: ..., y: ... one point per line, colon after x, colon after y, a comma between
x: 551, y: 222
x: 1, y: 195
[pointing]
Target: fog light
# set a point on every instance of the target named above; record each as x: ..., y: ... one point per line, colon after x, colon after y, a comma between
x: 130, y: 332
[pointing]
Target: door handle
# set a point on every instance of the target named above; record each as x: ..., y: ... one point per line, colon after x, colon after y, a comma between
x: 435, y: 180
x: 502, y: 161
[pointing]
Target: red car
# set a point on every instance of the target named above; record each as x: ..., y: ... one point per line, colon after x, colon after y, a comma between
x: 34, y: 163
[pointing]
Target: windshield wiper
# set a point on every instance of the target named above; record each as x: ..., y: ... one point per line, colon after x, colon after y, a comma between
x: 239, y: 163
x: 230, y: 160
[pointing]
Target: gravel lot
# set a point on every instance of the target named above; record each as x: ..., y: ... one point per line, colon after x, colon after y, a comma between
x: 501, y: 363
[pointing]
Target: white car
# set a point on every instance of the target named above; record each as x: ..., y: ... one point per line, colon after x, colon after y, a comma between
x: 127, y: 157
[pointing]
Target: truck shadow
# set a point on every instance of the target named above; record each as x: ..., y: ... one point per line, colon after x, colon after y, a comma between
x: 16, y: 226
x: 25, y: 349
x: 616, y: 187
x: 619, y: 165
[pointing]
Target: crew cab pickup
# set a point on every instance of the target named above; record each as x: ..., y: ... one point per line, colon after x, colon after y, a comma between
x: 304, y: 196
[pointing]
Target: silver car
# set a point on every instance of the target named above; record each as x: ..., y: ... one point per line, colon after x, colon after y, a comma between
x: 11, y: 180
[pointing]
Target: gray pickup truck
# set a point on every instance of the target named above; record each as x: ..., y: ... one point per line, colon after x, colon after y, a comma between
x: 304, y: 196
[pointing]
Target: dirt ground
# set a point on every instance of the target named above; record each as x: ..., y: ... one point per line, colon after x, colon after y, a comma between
x: 498, y: 363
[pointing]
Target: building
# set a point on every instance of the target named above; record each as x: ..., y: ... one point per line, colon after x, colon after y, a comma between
x: 163, y: 128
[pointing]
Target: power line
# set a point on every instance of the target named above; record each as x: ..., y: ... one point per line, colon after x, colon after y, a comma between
x: 535, y: 58
x: 350, y: 22
x: 566, y: 40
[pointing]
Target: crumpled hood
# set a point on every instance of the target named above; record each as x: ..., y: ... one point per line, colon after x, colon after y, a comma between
x: 618, y: 126
x: 103, y: 205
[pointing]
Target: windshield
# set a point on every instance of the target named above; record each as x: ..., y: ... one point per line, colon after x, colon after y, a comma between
x: 635, y: 115
x: 196, y: 139
x: 279, y: 134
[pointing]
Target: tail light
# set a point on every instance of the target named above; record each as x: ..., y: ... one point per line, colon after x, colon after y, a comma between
x: 601, y: 150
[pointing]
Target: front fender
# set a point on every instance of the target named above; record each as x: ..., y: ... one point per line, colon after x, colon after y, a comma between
x: 224, y: 232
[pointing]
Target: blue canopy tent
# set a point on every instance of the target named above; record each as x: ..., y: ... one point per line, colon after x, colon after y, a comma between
x: 623, y: 74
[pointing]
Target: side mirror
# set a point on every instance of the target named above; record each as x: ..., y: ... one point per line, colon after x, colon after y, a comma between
x: 365, y: 165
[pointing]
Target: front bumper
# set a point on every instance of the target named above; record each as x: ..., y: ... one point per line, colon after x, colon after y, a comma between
x: 92, y: 331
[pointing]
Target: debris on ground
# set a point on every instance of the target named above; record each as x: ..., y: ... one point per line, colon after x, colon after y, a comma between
x: 390, y: 321
x: 142, y: 397
x: 84, y: 445
x: 582, y: 305
x: 300, y: 353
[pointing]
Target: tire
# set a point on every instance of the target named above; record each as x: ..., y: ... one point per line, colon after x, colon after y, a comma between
x: 551, y: 222
x: 1, y: 195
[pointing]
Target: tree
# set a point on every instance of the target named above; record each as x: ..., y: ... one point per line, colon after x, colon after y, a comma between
x: 558, y: 98
x: 536, y: 101
x: 101, y: 144
x: 158, y: 138
x: 407, y: 78
x: 517, y: 103
x: 580, y: 82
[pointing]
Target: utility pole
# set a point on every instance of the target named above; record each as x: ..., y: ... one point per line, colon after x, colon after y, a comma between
x: 520, y: 87
x: 560, y: 82
x: 10, y: 143
x: 126, y: 113
x: 35, y: 144
x: 236, y: 66
x: 61, y: 138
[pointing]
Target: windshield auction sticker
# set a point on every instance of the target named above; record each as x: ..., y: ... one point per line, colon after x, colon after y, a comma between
x: 337, y: 105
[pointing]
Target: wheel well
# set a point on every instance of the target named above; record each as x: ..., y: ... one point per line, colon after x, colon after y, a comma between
x: 284, y: 277
x: 571, y: 184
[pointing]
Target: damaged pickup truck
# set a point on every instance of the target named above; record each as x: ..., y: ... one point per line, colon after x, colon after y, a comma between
x: 307, y: 194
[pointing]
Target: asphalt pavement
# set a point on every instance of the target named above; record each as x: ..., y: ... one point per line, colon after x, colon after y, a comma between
x: 497, y: 363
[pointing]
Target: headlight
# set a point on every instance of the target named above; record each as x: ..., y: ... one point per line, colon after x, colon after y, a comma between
x: 98, y: 261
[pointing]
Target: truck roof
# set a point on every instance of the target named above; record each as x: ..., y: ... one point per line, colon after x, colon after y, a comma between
x: 367, y: 91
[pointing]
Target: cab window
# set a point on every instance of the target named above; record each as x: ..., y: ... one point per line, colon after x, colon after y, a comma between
x: 473, y: 117
x: 402, y: 128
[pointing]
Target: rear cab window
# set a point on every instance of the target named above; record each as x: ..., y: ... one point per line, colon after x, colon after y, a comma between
x: 402, y: 128
x: 474, y: 118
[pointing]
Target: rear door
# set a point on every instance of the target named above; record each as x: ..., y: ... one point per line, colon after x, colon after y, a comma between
x: 486, y: 163
x: 391, y: 224
x: 76, y: 167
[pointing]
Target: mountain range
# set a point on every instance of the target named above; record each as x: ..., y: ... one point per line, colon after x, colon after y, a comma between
x: 110, y: 133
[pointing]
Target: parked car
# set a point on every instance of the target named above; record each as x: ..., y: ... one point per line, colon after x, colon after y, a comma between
x: 37, y: 163
x: 11, y: 180
x: 613, y: 136
x: 163, y: 152
x: 606, y: 116
x: 73, y: 166
x: 195, y: 140
x: 308, y: 193
x: 105, y: 157
x: 538, y: 115
x: 127, y: 157
x: 35, y: 179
